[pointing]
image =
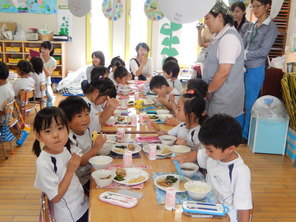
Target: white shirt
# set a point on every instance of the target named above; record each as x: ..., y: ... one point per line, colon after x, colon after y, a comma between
x: 74, y: 203
x: 176, y: 84
x: 80, y: 144
x: 180, y: 131
x: 41, y: 78
x: 49, y: 64
x: 176, y: 93
x: 192, y: 138
x: 94, y: 115
x: 6, y: 95
x: 232, y: 186
x: 23, y: 83
x: 228, y: 44
x: 147, y: 69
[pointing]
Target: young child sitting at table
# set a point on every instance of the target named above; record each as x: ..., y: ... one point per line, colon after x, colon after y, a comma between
x: 23, y: 69
x: 98, y: 95
x: 55, y: 167
x: 191, y: 114
x: 120, y: 77
x: 165, y: 93
x: 227, y: 173
x: 171, y: 71
x: 99, y: 72
x: 6, y: 91
x: 38, y: 75
x: 77, y: 113
x: 115, y: 62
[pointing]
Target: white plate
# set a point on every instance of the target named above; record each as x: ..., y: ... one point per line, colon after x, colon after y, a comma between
x: 158, y: 152
x: 175, y: 185
x: 180, y: 149
x: 121, y: 151
x: 162, y: 111
x: 148, y: 102
x: 133, y: 173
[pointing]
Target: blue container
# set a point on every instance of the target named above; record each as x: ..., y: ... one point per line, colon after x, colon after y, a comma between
x: 22, y: 138
x: 267, y: 135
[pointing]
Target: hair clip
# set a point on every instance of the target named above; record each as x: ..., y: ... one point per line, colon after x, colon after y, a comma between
x: 191, y: 92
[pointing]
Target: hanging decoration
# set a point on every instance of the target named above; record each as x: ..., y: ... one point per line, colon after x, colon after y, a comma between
x: 244, y: 1
x: 64, y: 21
x: 185, y: 11
x: 112, y: 9
x: 79, y: 8
x: 168, y: 29
x: 152, y: 10
x: 275, y: 8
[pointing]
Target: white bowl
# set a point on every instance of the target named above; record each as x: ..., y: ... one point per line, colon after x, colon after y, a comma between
x: 167, y: 139
x: 125, y: 91
x: 163, y: 117
x: 197, y: 190
x: 111, y: 121
x: 100, y: 162
x: 106, y: 149
x: 99, y: 174
x: 189, y: 173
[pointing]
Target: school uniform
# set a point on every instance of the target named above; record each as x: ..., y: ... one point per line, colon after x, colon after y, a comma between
x: 94, y: 115
x: 192, y: 138
x: 179, y: 131
x: 80, y: 144
x: 176, y: 84
x: 51, y: 169
x: 176, y: 93
x: 38, y: 78
x: 51, y: 63
x: 230, y: 180
x: 6, y: 95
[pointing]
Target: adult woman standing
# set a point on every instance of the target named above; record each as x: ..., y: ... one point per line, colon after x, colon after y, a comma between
x: 239, y: 16
x: 258, y: 41
x: 49, y: 65
x: 141, y: 65
x: 223, y: 69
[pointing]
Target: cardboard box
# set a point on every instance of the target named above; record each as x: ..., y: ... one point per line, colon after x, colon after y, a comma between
x: 11, y: 26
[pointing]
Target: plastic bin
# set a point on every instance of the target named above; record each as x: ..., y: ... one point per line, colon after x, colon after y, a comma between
x: 13, y: 49
x: 291, y: 145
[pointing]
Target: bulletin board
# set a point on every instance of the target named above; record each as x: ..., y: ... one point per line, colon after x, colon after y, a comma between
x: 29, y: 6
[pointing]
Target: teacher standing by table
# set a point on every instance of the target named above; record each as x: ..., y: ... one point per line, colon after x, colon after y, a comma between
x: 223, y: 69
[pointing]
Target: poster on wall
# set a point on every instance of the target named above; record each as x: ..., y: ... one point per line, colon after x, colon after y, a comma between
x: 29, y: 6
x: 64, y: 21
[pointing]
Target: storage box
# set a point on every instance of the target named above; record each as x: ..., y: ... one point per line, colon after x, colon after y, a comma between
x: 58, y: 51
x: 1, y: 59
x: 27, y: 49
x: 291, y: 145
x: 13, y: 49
x: 267, y: 135
x: 56, y: 73
x: 11, y: 26
x: 14, y: 60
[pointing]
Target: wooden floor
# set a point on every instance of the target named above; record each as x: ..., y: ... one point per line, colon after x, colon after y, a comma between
x: 273, y: 185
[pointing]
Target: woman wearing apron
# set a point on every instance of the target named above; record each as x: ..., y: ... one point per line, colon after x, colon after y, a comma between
x: 223, y: 69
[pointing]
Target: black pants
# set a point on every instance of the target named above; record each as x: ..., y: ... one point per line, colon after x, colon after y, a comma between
x: 84, y: 218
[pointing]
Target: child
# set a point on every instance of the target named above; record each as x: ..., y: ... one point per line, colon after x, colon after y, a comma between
x: 96, y: 94
x: 171, y: 70
x: 98, y: 59
x: 99, y: 72
x: 120, y: 76
x: 38, y: 75
x: 115, y: 62
x: 50, y: 64
x: 227, y: 172
x: 170, y: 58
x: 77, y: 113
x: 160, y: 86
x: 191, y: 114
x: 6, y: 91
x: 56, y: 167
x: 23, y: 68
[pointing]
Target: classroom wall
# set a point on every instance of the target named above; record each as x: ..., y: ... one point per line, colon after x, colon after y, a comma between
x: 292, y: 24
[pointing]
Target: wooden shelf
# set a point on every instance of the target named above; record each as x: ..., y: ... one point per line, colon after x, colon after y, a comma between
x: 23, y: 54
x: 282, y: 20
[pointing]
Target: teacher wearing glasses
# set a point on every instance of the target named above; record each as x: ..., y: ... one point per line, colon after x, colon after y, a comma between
x: 258, y: 41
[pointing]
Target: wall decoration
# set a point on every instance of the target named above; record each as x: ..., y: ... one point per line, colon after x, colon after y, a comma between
x: 185, y: 11
x: 112, y: 9
x: 169, y: 41
x: 79, y: 8
x: 29, y: 6
x: 152, y: 10
x: 64, y: 20
x: 244, y: 1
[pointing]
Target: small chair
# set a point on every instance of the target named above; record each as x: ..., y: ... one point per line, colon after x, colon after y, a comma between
x: 46, y: 214
x: 23, y: 101
x: 42, y: 100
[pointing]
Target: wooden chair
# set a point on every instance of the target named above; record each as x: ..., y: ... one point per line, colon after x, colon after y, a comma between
x: 45, y: 211
x: 23, y: 101
x: 41, y: 101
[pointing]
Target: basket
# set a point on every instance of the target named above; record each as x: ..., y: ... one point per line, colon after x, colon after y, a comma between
x: 46, y: 37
